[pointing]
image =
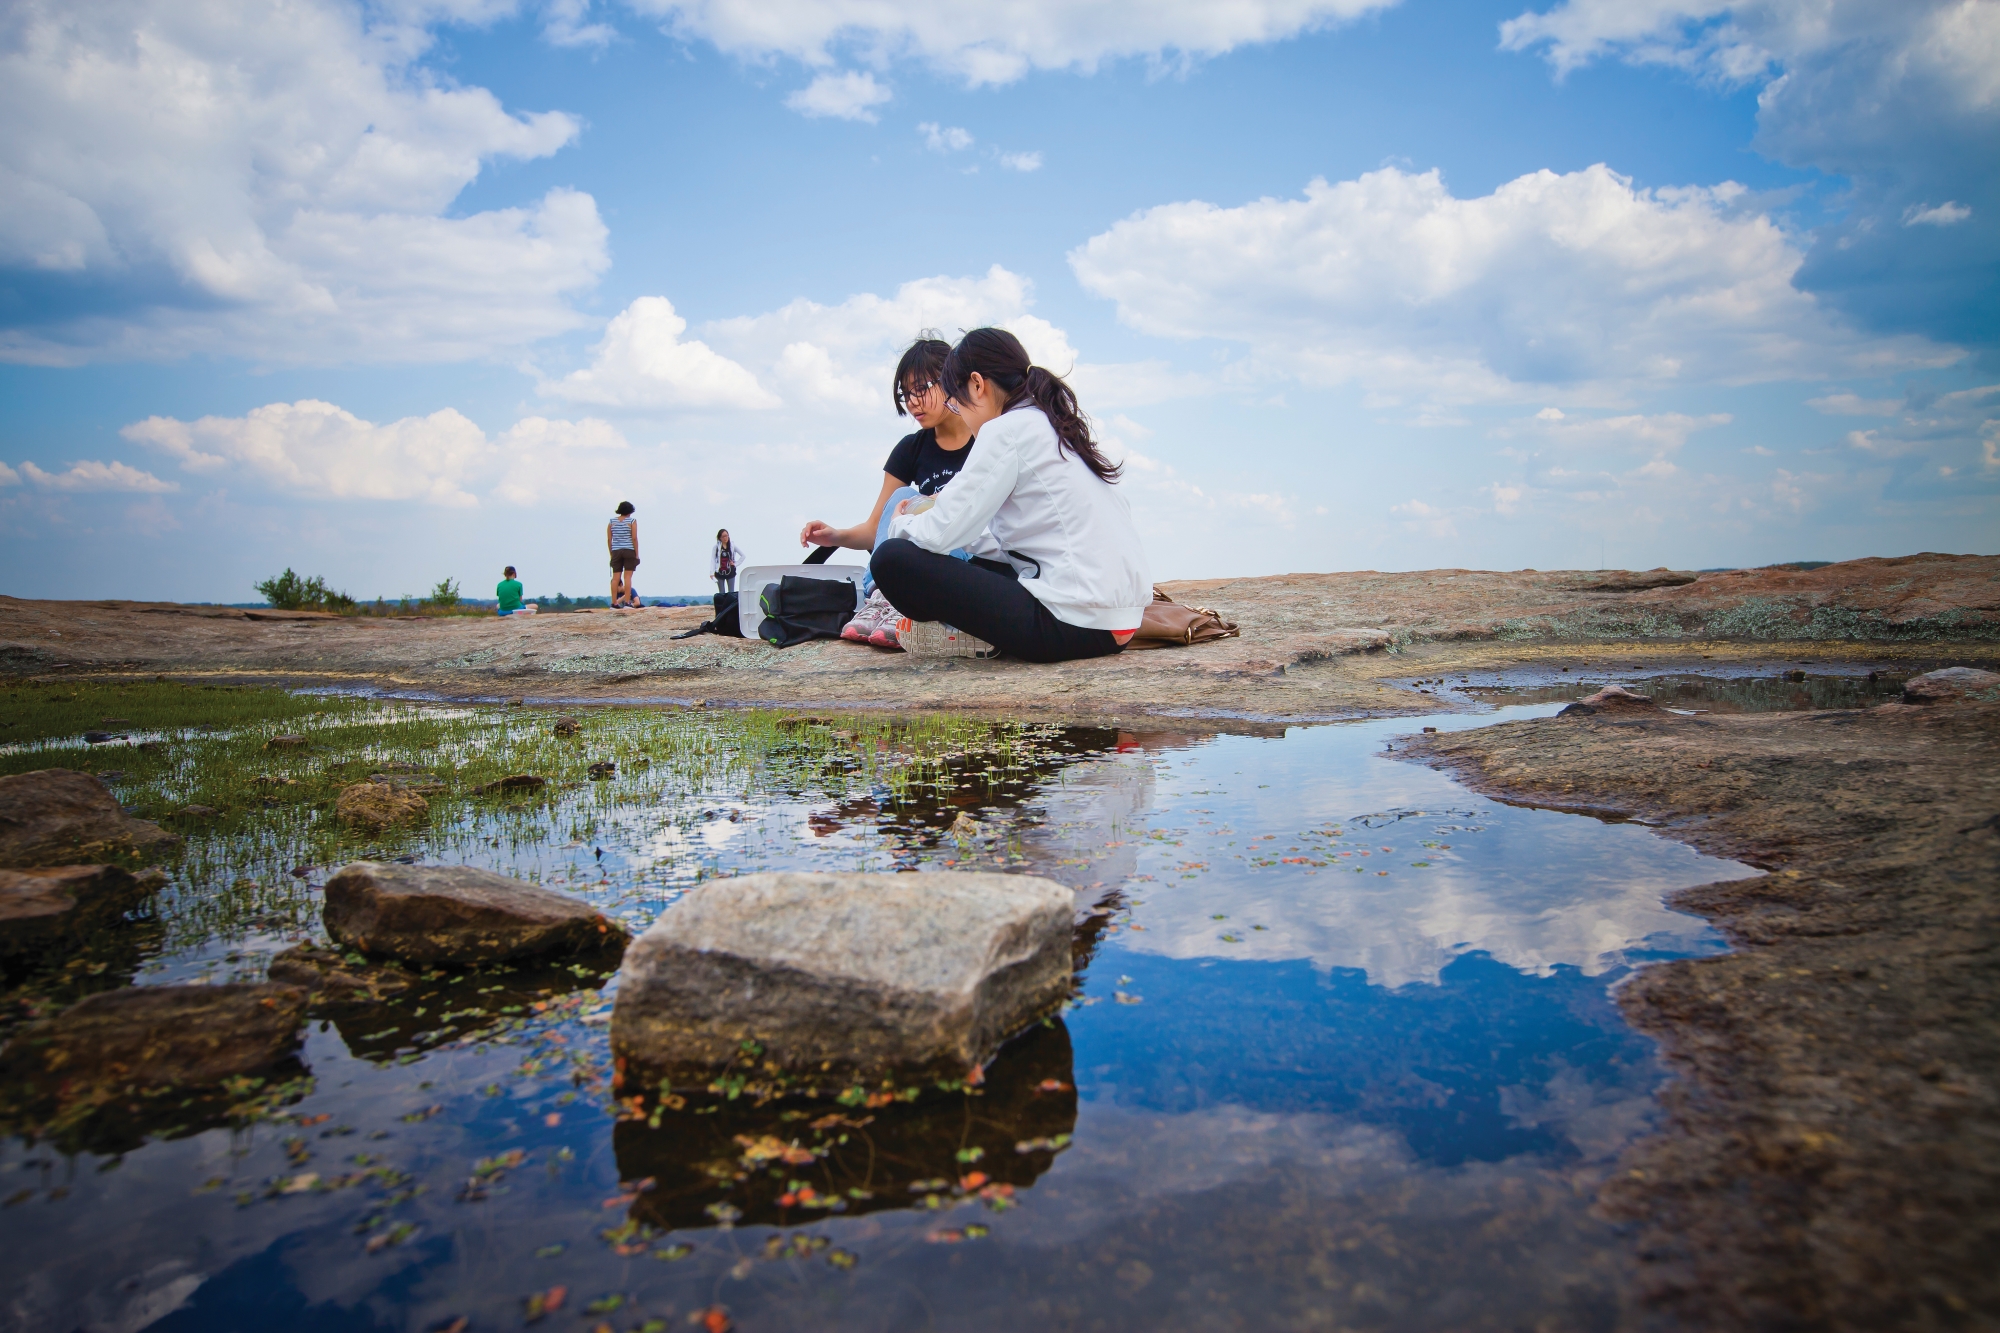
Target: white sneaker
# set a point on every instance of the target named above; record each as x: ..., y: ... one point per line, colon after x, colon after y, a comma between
x: 934, y: 638
x: 875, y: 614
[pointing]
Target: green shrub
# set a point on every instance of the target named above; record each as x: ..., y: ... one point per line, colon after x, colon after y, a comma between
x: 289, y: 592
x: 444, y: 596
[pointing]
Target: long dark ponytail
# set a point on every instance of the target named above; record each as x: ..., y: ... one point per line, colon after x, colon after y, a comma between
x: 998, y: 356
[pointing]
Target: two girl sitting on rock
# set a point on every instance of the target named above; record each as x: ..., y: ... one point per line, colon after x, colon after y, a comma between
x: 1028, y: 550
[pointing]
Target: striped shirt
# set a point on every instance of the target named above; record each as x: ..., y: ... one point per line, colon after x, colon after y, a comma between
x: 621, y: 534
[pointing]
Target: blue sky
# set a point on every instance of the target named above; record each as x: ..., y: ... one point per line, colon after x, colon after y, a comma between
x: 396, y: 292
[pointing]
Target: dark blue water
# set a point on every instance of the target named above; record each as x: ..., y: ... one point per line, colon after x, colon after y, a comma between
x: 1345, y: 1055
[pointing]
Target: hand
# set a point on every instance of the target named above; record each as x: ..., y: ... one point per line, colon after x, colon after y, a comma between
x: 818, y: 533
x: 902, y: 506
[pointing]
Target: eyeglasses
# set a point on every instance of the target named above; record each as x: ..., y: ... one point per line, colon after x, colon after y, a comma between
x: 918, y: 390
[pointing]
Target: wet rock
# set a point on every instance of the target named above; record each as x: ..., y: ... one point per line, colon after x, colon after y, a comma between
x: 197, y: 812
x: 157, y: 1036
x: 286, y: 743
x: 1950, y: 685
x: 603, y: 768
x: 1612, y: 699
x: 332, y: 978
x: 98, y: 737
x: 457, y: 914
x: 513, y: 782
x: 567, y: 726
x: 844, y: 976
x: 41, y: 908
x: 379, y: 805
x: 57, y: 816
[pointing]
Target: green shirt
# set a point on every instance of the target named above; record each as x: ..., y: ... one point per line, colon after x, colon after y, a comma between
x: 509, y: 592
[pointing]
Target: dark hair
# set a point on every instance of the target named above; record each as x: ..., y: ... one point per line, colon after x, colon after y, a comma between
x: 720, y: 533
x: 510, y: 571
x: 999, y: 357
x: 923, y: 361
x: 624, y: 506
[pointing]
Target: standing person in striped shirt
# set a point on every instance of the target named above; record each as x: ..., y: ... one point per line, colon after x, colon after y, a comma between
x: 621, y: 538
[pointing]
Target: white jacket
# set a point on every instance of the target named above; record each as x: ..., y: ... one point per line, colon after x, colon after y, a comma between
x: 1020, y: 493
x: 715, y: 557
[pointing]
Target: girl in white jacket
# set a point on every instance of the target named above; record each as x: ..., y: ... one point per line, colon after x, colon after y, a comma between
x: 1059, y: 572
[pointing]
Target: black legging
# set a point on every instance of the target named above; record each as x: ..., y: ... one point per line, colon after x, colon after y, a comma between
x: 983, y: 598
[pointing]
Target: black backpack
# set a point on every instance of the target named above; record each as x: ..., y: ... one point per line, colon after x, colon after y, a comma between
x: 797, y: 610
x: 726, y: 621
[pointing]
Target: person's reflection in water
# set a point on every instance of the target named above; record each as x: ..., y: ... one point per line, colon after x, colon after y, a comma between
x: 791, y: 1162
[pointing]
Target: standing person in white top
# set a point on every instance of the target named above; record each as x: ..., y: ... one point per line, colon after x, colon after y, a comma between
x: 1058, y: 571
x: 724, y: 559
x: 621, y: 539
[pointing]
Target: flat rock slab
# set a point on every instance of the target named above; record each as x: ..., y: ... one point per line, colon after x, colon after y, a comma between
x: 1613, y: 699
x: 843, y: 976
x: 157, y: 1036
x: 39, y: 908
x: 1950, y: 685
x: 57, y: 816
x: 458, y: 914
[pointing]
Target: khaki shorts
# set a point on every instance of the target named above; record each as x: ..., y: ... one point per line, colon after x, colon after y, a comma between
x: 624, y: 559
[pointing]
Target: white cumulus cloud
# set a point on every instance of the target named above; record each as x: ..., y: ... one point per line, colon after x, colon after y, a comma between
x: 995, y: 41
x: 643, y: 362
x: 944, y: 138
x: 850, y: 96
x: 270, y: 179
x: 1021, y: 161
x: 314, y: 449
x: 1580, y: 280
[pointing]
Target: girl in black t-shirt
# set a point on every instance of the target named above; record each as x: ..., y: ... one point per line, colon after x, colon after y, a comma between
x: 922, y: 461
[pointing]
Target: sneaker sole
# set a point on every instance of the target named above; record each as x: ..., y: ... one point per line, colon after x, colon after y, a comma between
x: 932, y: 638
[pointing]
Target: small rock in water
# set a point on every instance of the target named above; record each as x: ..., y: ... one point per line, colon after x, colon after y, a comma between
x: 39, y: 907
x: 457, y: 914
x: 514, y: 782
x: 98, y: 737
x: 57, y: 816
x: 328, y: 974
x: 378, y: 805
x: 1951, y: 684
x: 157, y: 1036
x: 604, y: 768
x: 965, y: 826
x: 286, y: 743
x: 198, y: 812
x: 568, y: 726
x: 1611, y: 699
x: 844, y: 976
x: 517, y: 701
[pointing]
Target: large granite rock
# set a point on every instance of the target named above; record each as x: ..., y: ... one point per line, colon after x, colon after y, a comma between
x: 458, y: 914
x: 840, y: 977
x: 157, y: 1036
x: 57, y: 816
x: 1951, y: 685
x: 40, y: 908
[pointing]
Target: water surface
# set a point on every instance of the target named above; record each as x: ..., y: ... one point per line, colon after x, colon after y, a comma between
x: 1343, y: 1055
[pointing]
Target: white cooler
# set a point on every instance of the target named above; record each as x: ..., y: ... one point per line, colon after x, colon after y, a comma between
x: 751, y: 579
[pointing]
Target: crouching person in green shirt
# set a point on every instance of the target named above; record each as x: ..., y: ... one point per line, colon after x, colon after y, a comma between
x: 509, y: 593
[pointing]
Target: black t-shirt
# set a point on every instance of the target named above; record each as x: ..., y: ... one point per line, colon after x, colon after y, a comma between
x: 920, y: 463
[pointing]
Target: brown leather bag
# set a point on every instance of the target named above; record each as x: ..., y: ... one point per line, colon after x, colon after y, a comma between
x: 1168, y: 624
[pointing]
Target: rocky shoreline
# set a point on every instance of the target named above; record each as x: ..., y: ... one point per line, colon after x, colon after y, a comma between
x: 1832, y: 1153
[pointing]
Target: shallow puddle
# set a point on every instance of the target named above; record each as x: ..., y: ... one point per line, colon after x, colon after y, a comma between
x: 1789, y: 690
x: 1343, y: 1055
